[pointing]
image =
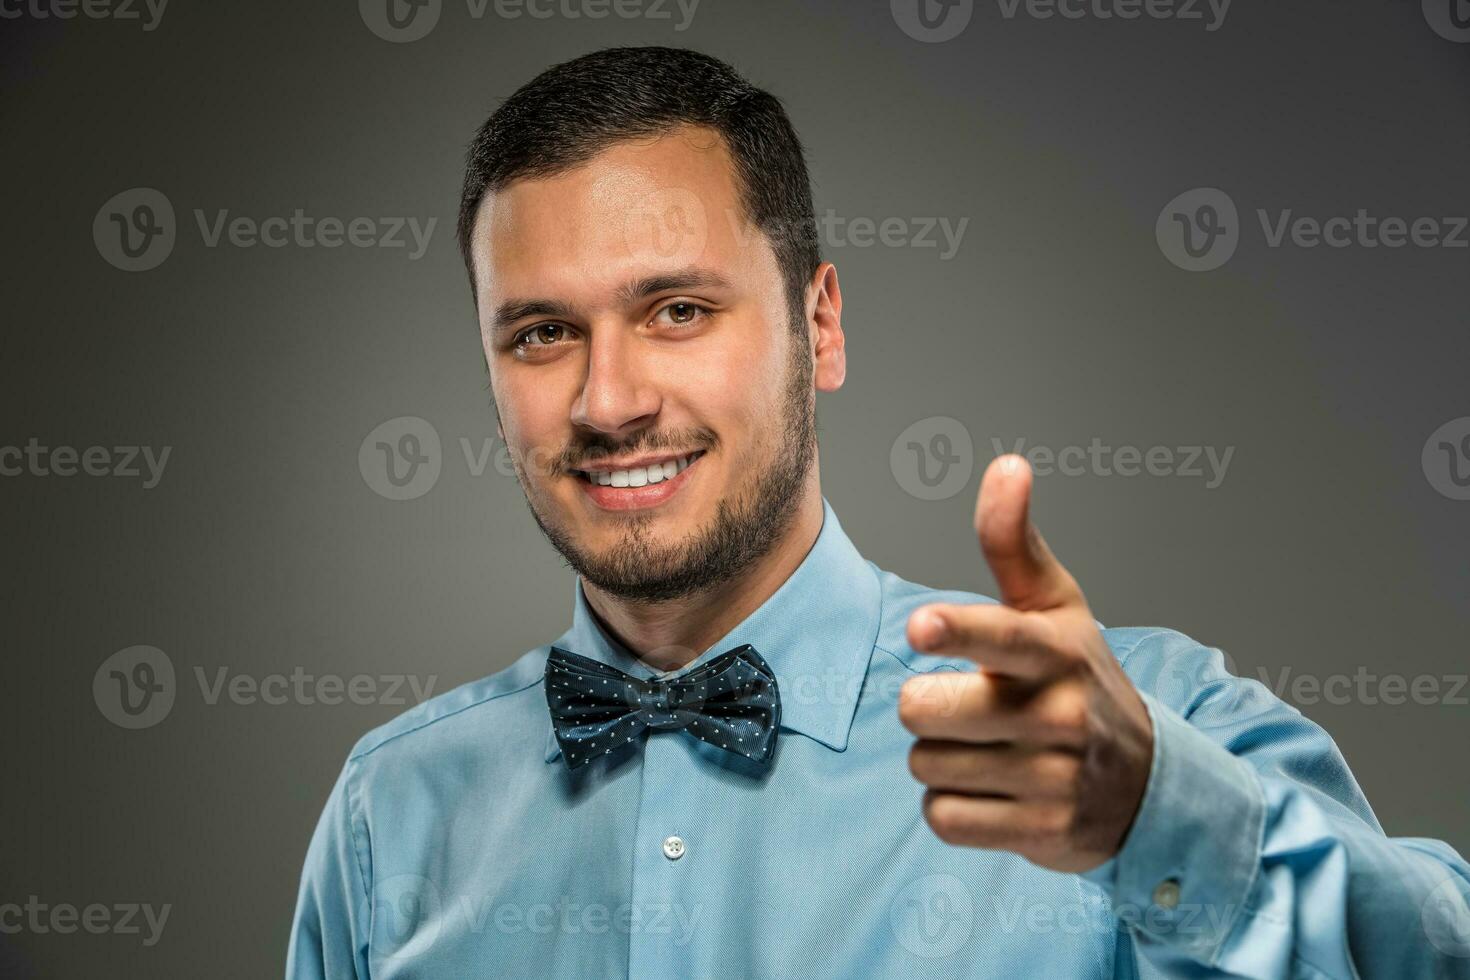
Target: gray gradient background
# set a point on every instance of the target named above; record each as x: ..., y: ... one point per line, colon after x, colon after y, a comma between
x: 264, y: 550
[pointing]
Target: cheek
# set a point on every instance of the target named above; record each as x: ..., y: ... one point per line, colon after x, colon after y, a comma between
x: 736, y: 391
x: 531, y: 413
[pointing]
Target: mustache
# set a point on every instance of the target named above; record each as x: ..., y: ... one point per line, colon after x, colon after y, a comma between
x: 592, y: 449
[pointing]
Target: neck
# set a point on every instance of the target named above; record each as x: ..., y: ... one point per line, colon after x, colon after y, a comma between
x: 669, y: 635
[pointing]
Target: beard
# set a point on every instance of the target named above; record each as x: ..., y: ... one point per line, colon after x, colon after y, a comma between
x: 747, y: 524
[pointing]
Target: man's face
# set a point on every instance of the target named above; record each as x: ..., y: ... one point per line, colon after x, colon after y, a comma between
x: 651, y: 391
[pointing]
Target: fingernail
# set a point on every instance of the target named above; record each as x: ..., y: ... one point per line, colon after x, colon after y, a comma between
x: 938, y: 629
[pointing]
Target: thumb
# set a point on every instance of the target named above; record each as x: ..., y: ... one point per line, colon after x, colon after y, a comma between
x: 1027, y: 573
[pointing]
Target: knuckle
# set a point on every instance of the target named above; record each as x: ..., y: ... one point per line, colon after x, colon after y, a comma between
x: 1069, y: 646
x: 1009, y: 634
x: 1063, y: 771
x: 1064, y: 822
x: 1066, y: 714
x: 944, y: 818
x: 919, y: 763
x: 1071, y: 659
x: 912, y: 707
x: 1049, y: 826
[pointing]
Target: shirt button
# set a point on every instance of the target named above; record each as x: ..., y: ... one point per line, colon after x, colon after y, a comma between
x: 673, y: 847
x: 1166, y: 894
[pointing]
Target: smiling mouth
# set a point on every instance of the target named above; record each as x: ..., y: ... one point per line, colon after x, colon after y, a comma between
x: 640, y: 476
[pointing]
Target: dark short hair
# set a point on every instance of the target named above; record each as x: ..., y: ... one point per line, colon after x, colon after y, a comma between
x: 575, y: 110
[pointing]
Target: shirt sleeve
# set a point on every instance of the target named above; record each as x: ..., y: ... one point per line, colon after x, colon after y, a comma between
x: 330, y: 929
x: 1254, y: 852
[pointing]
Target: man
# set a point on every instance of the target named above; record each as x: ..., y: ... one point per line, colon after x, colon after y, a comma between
x: 711, y: 774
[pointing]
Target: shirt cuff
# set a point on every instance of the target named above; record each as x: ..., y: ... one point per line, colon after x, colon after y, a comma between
x: 1187, y: 865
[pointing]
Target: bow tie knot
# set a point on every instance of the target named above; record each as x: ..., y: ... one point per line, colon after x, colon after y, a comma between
x: 731, y: 702
x: 657, y: 708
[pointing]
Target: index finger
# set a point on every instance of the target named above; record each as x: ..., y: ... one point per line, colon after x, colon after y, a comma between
x: 998, y: 638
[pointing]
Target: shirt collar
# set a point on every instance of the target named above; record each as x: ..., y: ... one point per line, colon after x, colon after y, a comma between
x: 816, y: 631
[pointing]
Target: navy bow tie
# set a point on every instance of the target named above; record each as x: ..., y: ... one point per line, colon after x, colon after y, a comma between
x: 731, y: 702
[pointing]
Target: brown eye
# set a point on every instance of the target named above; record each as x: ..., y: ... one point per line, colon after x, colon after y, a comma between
x: 541, y: 335
x: 681, y: 314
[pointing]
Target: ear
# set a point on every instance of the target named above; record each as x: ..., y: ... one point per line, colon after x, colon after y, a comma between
x: 824, y: 316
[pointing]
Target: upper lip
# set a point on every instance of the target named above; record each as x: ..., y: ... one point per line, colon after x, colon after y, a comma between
x: 636, y: 462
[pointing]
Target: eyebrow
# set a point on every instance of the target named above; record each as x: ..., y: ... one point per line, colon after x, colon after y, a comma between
x: 512, y: 311
x: 515, y: 310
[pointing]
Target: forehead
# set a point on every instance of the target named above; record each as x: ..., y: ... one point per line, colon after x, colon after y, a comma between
x: 637, y: 208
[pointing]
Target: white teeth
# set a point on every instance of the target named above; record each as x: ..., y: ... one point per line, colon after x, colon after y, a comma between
x: 641, y: 476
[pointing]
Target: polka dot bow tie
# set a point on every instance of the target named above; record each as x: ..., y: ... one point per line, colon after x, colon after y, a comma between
x: 731, y: 702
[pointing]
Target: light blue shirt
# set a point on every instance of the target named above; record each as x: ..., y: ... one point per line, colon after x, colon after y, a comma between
x: 456, y: 843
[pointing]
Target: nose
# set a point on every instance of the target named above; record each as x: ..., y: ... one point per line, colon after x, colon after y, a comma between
x: 616, y: 397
